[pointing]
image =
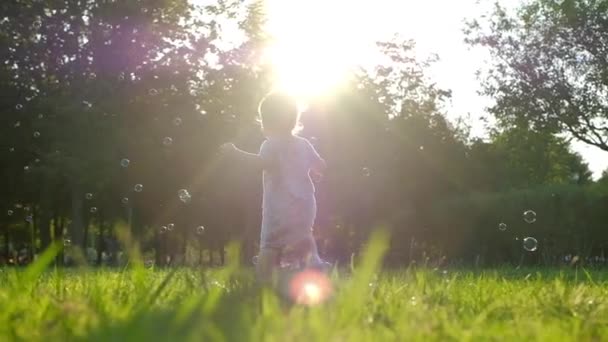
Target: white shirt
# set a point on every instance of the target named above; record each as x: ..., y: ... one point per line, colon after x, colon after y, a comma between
x: 286, y: 176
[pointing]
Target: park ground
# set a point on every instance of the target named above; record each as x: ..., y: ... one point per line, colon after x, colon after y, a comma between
x: 138, y: 303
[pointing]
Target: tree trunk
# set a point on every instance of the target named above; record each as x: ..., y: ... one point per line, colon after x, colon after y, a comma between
x: 101, y: 242
x: 58, y: 223
x: 7, y: 244
x: 76, y: 228
x: 44, y: 219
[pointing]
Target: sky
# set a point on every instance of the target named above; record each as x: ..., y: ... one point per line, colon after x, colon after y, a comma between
x: 436, y: 25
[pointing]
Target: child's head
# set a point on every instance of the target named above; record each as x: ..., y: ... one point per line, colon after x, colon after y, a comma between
x: 280, y: 114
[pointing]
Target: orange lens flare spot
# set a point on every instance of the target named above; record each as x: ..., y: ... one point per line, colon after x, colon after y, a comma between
x: 310, y: 288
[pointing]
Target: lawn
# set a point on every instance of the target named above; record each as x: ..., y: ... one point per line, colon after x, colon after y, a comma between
x: 184, y: 304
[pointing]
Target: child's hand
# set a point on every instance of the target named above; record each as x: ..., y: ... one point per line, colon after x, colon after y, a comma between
x: 227, y: 148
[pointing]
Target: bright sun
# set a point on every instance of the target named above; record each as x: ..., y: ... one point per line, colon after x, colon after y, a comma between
x: 318, y: 42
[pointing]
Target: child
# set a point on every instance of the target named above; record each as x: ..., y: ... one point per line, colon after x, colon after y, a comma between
x: 289, y: 207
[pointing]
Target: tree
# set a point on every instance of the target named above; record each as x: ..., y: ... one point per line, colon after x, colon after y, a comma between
x: 548, y: 69
x: 520, y: 158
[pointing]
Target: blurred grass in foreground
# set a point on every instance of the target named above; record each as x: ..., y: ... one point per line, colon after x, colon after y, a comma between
x: 146, y: 304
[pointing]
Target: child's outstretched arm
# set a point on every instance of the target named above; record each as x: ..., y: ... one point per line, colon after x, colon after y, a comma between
x: 251, y: 158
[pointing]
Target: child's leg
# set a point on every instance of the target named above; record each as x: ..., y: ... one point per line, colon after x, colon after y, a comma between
x: 267, y: 262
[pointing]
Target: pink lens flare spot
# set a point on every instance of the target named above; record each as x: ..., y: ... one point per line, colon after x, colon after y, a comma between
x: 310, y: 287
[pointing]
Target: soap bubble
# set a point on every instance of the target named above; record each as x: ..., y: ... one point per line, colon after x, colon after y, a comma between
x: 529, y: 216
x: 167, y: 141
x: 67, y: 242
x: 184, y: 195
x: 200, y: 230
x: 366, y: 171
x: 17, y: 124
x: 19, y: 106
x: 125, y: 162
x: 29, y: 218
x: 10, y: 212
x: 93, y: 210
x: 40, y: 116
x: 88, y: 196
x: 530, y: 244
x: 36, y: 134
x: 502, y: 226
x: 170, y: 227
x: 26, y: 168
x: 138, y: 188
x: 177, y: 121
x: 11, y: 149
x: 153, y: 92
x: 125, y: 200
x: 163, y: 229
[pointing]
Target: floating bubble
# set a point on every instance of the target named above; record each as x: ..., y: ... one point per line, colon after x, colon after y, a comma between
x: 36, y: 160
x: 530, y: 244
x: 67, y: 242
x: 163, y: 229
x: 170, y: 227
x: 9, y: 212
x: 529, y: 216
x: 93, y: 210
x: 421, y: 148
x: 502, y: 226
x: 125, y: 200
x: 40, y: 116
x: 26, y: 168
x: 366, y: 172
x: 138, y: 188
x: 184, y: 195
x: 177, y: 121
x: 26, y: 209
x: 167, y: 141
x: 153, y: 92
x: 19, y: 106
x: 121, y: 77
x: 29, y: 218
x: 36, y: 134
x: 88, y: 196
x: 11, y: 149
x: 200, y: 230
x: 255, y: 259
x: 125, y: 162
x: 17, y: 124
x: 203, y: 112
x: 37, y: 24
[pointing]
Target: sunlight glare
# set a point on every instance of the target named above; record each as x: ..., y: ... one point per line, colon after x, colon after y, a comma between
x: 316, y: 44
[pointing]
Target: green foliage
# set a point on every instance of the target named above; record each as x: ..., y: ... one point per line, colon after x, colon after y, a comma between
x: 569, y: 220
x: 548, y: 66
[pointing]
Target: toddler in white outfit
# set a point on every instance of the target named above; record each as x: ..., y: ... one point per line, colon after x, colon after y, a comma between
x: 289, y: 207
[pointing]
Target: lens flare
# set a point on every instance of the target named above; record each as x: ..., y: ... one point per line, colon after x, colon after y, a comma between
x: 310, y: 288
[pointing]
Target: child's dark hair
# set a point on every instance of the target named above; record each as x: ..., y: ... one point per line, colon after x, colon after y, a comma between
x: 279, y: 113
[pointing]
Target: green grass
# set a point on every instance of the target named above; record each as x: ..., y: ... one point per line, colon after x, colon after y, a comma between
x: 139, y: 304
